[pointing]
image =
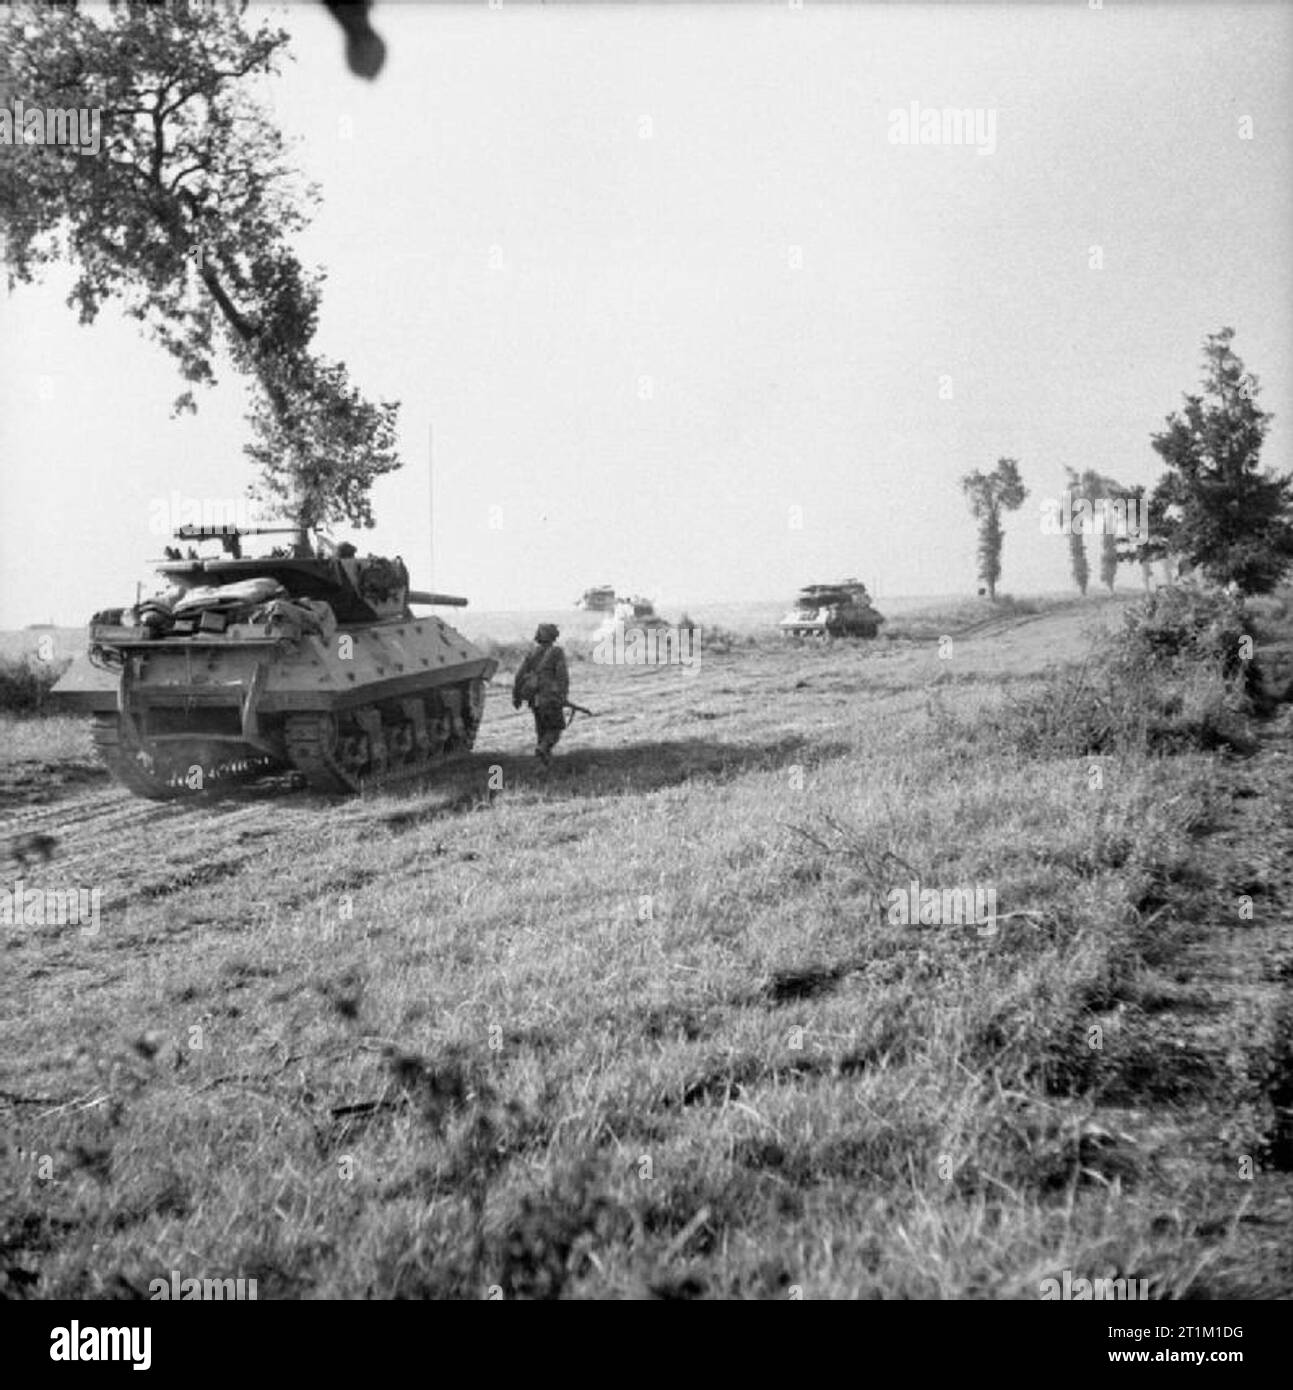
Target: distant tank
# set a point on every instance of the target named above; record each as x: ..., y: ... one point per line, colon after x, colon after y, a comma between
x: 633, y: 612
x: 308, y: 660
x: 638, y: 612
x: 832, y: 610
x: 598, y: 600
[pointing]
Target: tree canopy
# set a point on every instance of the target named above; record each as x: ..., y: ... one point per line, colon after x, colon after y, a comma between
x: 1077, y: 485
x: 1088, y: 496
x: 990, y: 494
x: 1215, y: 506
x: 184, y: 217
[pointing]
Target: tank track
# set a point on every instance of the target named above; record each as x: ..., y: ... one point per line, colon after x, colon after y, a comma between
x: 377, y: 745
x: 829, y: 633
x: 161, y: 774
x: 362, y: 749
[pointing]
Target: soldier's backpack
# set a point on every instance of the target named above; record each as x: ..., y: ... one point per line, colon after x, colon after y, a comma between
x: 530, y: 681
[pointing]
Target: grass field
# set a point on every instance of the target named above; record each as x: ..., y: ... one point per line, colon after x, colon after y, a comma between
x: 645, y: 1027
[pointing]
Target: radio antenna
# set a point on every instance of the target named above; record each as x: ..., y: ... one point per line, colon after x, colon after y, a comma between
x: 431, y: 502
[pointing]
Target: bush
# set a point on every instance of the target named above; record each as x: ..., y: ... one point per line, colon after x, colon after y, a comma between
x: 1186, y: 623
x: 1177, y: 680
x: 1274, y: 607
x: 25, y: 685
x: 1008, y: 603
x: 716, y: 640
x: 1103, y: 711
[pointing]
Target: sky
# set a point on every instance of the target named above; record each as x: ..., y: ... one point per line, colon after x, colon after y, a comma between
x: 668, y: 305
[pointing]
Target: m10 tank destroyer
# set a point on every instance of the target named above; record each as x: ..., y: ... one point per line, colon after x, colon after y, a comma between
x: 600, y: 599
x: 308, y: 660
x: 832, y: 610
x: 638, y: 612
x: 635, y: 612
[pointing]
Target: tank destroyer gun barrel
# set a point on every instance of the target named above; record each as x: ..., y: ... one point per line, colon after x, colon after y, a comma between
x: 189, y: 532
x: 447, y: 600
x: 230, y: 537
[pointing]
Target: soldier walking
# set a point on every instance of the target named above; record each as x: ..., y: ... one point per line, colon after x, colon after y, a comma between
x: 544, y: 684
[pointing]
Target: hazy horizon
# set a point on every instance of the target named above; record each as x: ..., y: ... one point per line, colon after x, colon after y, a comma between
x: 653, y: 278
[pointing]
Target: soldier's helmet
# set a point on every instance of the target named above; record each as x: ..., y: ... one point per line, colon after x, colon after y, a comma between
x: 546, y: 632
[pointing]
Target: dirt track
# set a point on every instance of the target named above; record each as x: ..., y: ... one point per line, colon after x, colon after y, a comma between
x: 224, y: 916
x: 106, y: 836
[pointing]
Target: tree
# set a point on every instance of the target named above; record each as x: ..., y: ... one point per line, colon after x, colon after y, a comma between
x: 1145, y: 547
x: 184, y: 217
x: 1109, y: 559
x: 1100, y: 505
x: 1077, y: 537
x: 989, y: 495
x: 1213, y: 506
x: 1107, y: 490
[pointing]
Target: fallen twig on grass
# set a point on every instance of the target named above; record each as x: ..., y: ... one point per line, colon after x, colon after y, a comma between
x: 358, y: 1045
x: 683, y: 1236
x: 14, y: 1098
x: 87, y: 1101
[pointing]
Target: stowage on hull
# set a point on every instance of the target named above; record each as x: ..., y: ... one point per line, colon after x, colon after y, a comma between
x: 832, y: 610
x: 246, y: 668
